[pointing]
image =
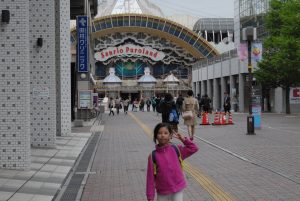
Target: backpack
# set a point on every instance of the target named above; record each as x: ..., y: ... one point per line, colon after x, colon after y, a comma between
x: 154, y: 158
x: 173, y: 116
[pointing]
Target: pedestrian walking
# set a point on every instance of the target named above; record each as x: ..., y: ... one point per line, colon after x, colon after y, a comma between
x: 153, y: 102
x: 190, y: 104
x: 169, y: 113
x: 148, y: 104
x: 205, y: 102
x: 118, y: 104
x: 157, y: 100
x: 111, y: 106
x: 164, y: 171
x: 179, y: 102
x: 226, y: 105
x: 142, y: 104
x: 135, y: 105
x: 125, y: 105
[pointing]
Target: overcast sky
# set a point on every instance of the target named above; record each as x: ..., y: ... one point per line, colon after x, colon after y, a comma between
x: 198, y: 8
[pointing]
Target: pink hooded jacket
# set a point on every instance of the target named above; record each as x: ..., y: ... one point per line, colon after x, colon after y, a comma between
x: 169, y: 177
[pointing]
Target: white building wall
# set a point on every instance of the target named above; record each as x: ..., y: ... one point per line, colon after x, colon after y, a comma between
x: 210, y: 73
x: 43, y: 81
x: 15, y: 87
x: 63, y: 74
x: 234, y: 66
x: 218, y: 70
x: 226, y: 68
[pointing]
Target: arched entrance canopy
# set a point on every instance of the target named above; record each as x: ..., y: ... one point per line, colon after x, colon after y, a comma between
x: 184, y: 37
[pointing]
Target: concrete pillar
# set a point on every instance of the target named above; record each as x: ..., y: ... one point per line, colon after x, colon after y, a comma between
x: 209, y: 88
x: 199, y: 85
x: 223, y: 89
x: 279, y: 100
x: 216, y: 97
x: 194, y: 87
x: 241, y: 89
x: 197, y: 88
x: 203, y: 90
x: 233, y: 91
x: 43, y: 73
x: 63, y: 74
x: 15, y: 87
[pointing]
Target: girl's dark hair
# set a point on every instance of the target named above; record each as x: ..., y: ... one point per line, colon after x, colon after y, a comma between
x: 190, y: 93
x: 157, y: 127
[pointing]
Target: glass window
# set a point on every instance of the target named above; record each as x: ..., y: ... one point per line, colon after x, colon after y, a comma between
x: 155, y: 24
x: 160, y: 25
x: 132, y: 20
x: 167, y: 27
x: 172, y: 29
x: 103, y: 25
x: 115, y: 22
x: 120, y: 21
x: 182, y: 35
x: 108, y: 23
x: 97, y: 26
x: 192, y: 41
x: 177, y: 31
x: 187, y: 38
x: 144, y: 22
x: 138, y: 21
x: 150, y: 23
x: 126, y: 20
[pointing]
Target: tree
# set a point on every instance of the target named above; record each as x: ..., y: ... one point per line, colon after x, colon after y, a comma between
x: 280, y: 66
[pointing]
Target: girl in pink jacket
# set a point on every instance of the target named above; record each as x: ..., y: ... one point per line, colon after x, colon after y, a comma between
x: 164, y: 172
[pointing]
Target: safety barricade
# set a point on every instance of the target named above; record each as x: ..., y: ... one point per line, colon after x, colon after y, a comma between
x: 205, y: 119
x: 230, y: 121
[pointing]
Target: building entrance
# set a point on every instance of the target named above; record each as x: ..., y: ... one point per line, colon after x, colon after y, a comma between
x: 130, y: 96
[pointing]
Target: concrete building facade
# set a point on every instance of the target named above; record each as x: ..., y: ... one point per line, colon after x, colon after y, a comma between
x: 228, y: 73
x: 35, y: 78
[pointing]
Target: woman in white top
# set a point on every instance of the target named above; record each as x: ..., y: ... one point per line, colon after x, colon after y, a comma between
x: 190, y: 104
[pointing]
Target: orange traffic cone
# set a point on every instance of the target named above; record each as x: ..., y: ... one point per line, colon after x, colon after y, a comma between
x: 222, y: 119
x: 205, y: 120
x: 230, y: 121
x: 216, y: 119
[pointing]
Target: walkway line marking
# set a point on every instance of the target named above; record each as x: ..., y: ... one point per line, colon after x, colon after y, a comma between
x: 213, y: 189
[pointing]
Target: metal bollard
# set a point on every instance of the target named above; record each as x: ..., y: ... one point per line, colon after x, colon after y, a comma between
x: 250, y: 125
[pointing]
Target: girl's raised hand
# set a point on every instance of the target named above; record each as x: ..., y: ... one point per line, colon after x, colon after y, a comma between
x: 178, y: 136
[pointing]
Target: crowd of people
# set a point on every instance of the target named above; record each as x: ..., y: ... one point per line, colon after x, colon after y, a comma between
x: 204, y: 104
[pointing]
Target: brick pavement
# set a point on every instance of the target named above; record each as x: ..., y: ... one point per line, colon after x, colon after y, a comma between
x: 120, y: 162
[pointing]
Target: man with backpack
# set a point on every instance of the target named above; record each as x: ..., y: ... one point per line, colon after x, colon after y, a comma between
x: 169, y: 112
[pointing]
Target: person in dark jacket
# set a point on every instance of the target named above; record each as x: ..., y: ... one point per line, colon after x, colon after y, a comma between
x: 179, y: 102
x: 226, y: 104
x: 165, y: 106
x: 205, y: 102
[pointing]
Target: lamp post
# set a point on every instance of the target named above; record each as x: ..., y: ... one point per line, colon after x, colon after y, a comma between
x: 249, y: 34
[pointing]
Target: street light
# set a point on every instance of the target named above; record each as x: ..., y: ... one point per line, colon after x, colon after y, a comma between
x: 249, y: 35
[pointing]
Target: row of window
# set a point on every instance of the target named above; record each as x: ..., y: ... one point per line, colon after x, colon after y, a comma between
x: 140, y: 21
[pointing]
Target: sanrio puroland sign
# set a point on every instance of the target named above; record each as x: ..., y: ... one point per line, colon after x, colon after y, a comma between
x: 129, y: 50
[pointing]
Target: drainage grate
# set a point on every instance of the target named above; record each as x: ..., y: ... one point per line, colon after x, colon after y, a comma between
x: 75, y: 183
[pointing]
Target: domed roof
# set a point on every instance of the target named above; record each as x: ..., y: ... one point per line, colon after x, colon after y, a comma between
x: 128, y: 6
x: 112, y: 78
x: 147, y: 77
x: 214, y: 24
x: 171, y: 78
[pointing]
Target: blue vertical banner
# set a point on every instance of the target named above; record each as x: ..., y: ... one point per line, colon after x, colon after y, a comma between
x: 82, y: 44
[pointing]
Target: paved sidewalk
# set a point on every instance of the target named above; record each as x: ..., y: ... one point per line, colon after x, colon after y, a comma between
x: 49, y: 169
x: 261, y: 167
x: 230, y: 165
